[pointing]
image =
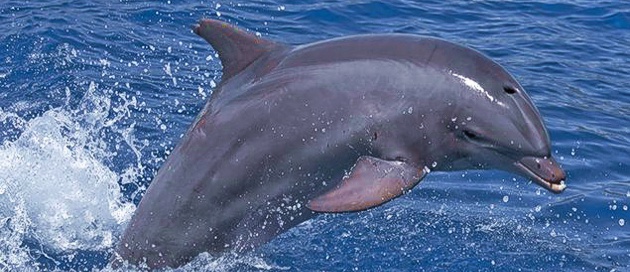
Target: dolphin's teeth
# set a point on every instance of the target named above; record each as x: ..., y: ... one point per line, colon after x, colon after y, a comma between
x: 558, y: 187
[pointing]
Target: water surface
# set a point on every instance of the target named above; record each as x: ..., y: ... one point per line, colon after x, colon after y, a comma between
x: 94, y: 95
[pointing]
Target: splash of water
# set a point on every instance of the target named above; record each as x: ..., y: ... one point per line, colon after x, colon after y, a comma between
x: 55, y: 188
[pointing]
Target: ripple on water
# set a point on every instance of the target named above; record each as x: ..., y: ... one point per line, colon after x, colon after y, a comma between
x: 71, y: 163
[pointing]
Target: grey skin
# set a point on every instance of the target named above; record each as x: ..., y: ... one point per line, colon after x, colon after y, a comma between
x: 334, y: 126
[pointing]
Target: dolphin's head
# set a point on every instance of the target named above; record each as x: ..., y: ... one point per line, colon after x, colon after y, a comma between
x: 494, y: 123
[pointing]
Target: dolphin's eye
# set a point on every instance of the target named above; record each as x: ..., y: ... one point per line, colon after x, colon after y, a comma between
x: 509, y: 89
x: 469, y: 134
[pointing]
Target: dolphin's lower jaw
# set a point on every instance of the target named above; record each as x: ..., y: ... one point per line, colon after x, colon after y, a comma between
x: 544, y: 171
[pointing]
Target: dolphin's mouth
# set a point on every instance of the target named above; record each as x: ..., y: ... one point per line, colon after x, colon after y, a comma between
x: 544, y: 171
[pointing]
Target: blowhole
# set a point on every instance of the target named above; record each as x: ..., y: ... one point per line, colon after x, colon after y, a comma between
x: 509, y: 89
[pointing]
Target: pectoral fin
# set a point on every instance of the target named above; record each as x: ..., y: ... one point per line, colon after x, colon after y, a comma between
x: 372, y: 182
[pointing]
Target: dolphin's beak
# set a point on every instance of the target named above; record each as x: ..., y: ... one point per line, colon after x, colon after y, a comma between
x: 545, y: 171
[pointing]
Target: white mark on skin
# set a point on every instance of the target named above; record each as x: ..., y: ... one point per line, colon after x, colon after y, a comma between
x: 474, y: 85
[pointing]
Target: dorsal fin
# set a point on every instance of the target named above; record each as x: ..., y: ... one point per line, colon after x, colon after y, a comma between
x: 237, y: 48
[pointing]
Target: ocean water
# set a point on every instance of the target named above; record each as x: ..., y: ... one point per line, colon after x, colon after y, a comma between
x: 95, y: 94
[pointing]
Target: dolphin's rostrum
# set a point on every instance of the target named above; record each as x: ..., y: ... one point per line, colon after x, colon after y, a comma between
x: 334, y: 126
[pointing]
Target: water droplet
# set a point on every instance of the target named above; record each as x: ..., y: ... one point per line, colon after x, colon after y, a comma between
x: 622, y: 222
x: 201, y: 92
x: 506, y: 198
x: 434, y: 164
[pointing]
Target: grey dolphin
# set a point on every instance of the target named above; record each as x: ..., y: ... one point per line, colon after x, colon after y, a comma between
x: 334, y: 126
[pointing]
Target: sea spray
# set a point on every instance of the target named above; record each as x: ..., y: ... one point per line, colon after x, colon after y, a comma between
x: 57, y: 193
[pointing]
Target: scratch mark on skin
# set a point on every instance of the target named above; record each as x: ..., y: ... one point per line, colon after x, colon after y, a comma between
x: 431, y: 55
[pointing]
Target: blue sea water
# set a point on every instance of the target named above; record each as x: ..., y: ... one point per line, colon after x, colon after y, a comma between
x: 94, y: 95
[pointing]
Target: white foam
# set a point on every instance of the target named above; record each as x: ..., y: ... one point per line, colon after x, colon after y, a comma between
x: 228, y: 262
x: 55, y: 187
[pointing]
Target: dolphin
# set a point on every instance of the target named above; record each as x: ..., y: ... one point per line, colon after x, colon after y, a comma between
x: 339, y: 125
